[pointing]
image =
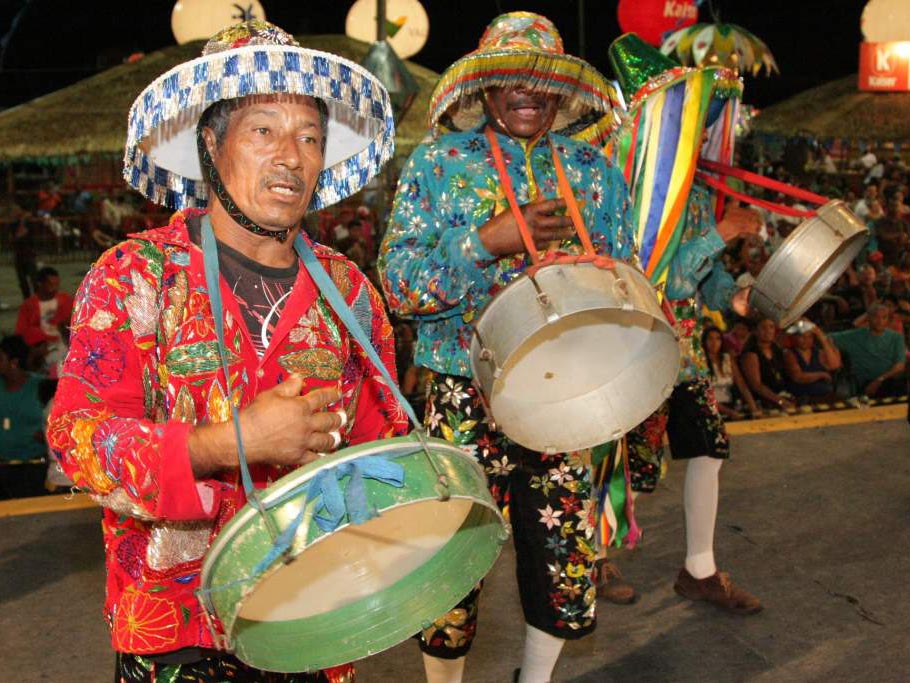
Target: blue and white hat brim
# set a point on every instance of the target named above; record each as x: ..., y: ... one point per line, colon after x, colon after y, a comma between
x: 161, y: 159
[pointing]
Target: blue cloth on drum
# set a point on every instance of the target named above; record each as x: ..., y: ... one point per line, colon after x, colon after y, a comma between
x: 330, y: 504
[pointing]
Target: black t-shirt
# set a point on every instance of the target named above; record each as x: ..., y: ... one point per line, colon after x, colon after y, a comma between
x: 261, y: 291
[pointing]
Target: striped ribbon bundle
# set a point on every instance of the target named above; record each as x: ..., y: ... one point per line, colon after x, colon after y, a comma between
x: 657, y: 151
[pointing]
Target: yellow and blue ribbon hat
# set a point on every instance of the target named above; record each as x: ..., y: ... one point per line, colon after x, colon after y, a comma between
x: 256, y: 58
x: 520, y: 49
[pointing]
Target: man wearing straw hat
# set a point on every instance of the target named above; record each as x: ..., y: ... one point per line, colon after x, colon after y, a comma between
x: 452, y: 242
x: 670, y: 109
x: 142, y: 417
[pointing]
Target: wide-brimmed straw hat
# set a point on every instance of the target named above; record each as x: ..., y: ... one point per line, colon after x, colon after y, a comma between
x: 520, y: 49
x: 256, y: 58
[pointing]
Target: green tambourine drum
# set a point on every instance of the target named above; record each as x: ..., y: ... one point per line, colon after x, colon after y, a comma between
x: 335, y: 596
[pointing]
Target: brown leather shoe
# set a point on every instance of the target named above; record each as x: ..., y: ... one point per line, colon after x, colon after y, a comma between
x: 719, y: 590
x: 611, y: 586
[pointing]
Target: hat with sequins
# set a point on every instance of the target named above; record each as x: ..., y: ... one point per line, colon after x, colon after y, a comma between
x: 256, y: 58
x: 520, y: 49
x: 643, y: 72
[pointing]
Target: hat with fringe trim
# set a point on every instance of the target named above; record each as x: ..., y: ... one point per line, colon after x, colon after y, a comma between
x: 256, y: 58
x: 520, y: 49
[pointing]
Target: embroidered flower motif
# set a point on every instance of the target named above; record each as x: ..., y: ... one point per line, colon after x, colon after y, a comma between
x: 99, y: 358
x: 550, y: 517
x: 144, y: 623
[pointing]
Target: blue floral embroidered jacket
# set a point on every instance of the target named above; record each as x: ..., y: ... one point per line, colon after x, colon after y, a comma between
x: 433, y: 265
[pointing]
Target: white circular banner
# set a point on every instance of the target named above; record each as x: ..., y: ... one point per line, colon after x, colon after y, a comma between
x: 201, y: 19
x: 886, y: 21
x: 407, y: 24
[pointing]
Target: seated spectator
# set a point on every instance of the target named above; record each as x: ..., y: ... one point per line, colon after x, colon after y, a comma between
x: 856, y: 298
x: 901, y: 270
x: 736, y: 338
x: 754, y: 260
x: 877, y: 355
x: 48, y: 200
x: 22, y: 445
x: 892, y: 232
x: 44, y: 318
x: 896, y: 315
x: 354, y: 245
x: 810, y: 364
x: 876, y: 211
x: 861, y: 208
x: 762, y: 364
x: 725, y: 375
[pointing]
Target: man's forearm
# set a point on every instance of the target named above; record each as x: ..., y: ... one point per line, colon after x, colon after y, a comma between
x: 212, y: 447
x: 894, y: 371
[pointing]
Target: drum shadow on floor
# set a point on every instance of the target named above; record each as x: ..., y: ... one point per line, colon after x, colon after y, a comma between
x: 37, y: 551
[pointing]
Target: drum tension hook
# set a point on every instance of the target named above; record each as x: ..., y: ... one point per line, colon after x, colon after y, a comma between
x: 545, y: 302
x: 442, y: 481
x: 486, y: 354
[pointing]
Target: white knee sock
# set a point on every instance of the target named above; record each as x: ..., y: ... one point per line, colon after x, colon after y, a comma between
x: 541, y: 652
x: 441, y: 670
x: 700, y: 503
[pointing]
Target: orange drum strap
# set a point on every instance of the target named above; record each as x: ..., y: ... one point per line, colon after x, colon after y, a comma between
x: 510, y: 195
x: 571, y: 204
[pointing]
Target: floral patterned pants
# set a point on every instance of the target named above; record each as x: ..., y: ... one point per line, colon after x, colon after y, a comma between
x: 549, y: 503
x: 219, y: 668
x: 694, y: 427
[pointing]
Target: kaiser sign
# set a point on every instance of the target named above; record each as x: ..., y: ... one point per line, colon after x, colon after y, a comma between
x: 651, y: 19
x: 884, y: 66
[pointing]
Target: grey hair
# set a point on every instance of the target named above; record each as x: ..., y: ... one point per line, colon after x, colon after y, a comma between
x: 218, y: 116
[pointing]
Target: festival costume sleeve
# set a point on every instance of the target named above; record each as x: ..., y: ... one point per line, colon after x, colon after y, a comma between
x: 614, y: 219
x: 694, y: 260
x: 101, y: 427
x: 429, y: 267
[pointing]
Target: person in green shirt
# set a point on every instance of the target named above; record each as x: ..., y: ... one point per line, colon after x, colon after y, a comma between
x: 22, y: 446
x: 877, y: 355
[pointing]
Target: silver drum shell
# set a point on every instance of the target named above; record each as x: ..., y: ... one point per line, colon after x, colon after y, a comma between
x: 808, y: 263
x: 575, y: 357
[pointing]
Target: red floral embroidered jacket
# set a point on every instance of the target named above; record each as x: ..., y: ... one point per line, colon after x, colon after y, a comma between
x: 143, y: 368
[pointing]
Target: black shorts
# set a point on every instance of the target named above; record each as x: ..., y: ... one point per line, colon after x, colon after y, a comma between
x: 694, y: 424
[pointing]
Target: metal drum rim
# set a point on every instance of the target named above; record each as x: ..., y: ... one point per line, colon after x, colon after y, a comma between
x: 277, y: 566
x: 661, y: 319
x: 764, y: 283
x: 295, y: 478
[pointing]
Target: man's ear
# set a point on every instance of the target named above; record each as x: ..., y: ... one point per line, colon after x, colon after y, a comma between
x: 211, y: 144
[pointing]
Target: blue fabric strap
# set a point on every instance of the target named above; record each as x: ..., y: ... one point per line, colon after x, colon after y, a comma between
x: 328, y: 289
x: 213, y: 283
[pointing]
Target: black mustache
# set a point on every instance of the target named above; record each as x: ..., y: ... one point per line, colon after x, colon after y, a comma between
x: 285, y: 179
x: 522, y: 102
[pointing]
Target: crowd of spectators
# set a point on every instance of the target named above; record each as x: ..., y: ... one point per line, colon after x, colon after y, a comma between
x: 849, y: 349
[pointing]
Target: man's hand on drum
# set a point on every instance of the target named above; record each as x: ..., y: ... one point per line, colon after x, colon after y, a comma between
x: 280, y: 427
x: 738, y: 222
x: 501, y: 237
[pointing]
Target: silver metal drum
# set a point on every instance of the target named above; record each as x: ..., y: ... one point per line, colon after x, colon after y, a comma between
x: 808, y: 262
x: 575, y: 357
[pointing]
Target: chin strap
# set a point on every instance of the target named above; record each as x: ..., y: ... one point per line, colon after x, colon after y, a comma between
x: 214, y: 181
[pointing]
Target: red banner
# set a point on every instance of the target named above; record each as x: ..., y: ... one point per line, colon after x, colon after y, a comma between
x: 651, y: 19
x: 884, y: 66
